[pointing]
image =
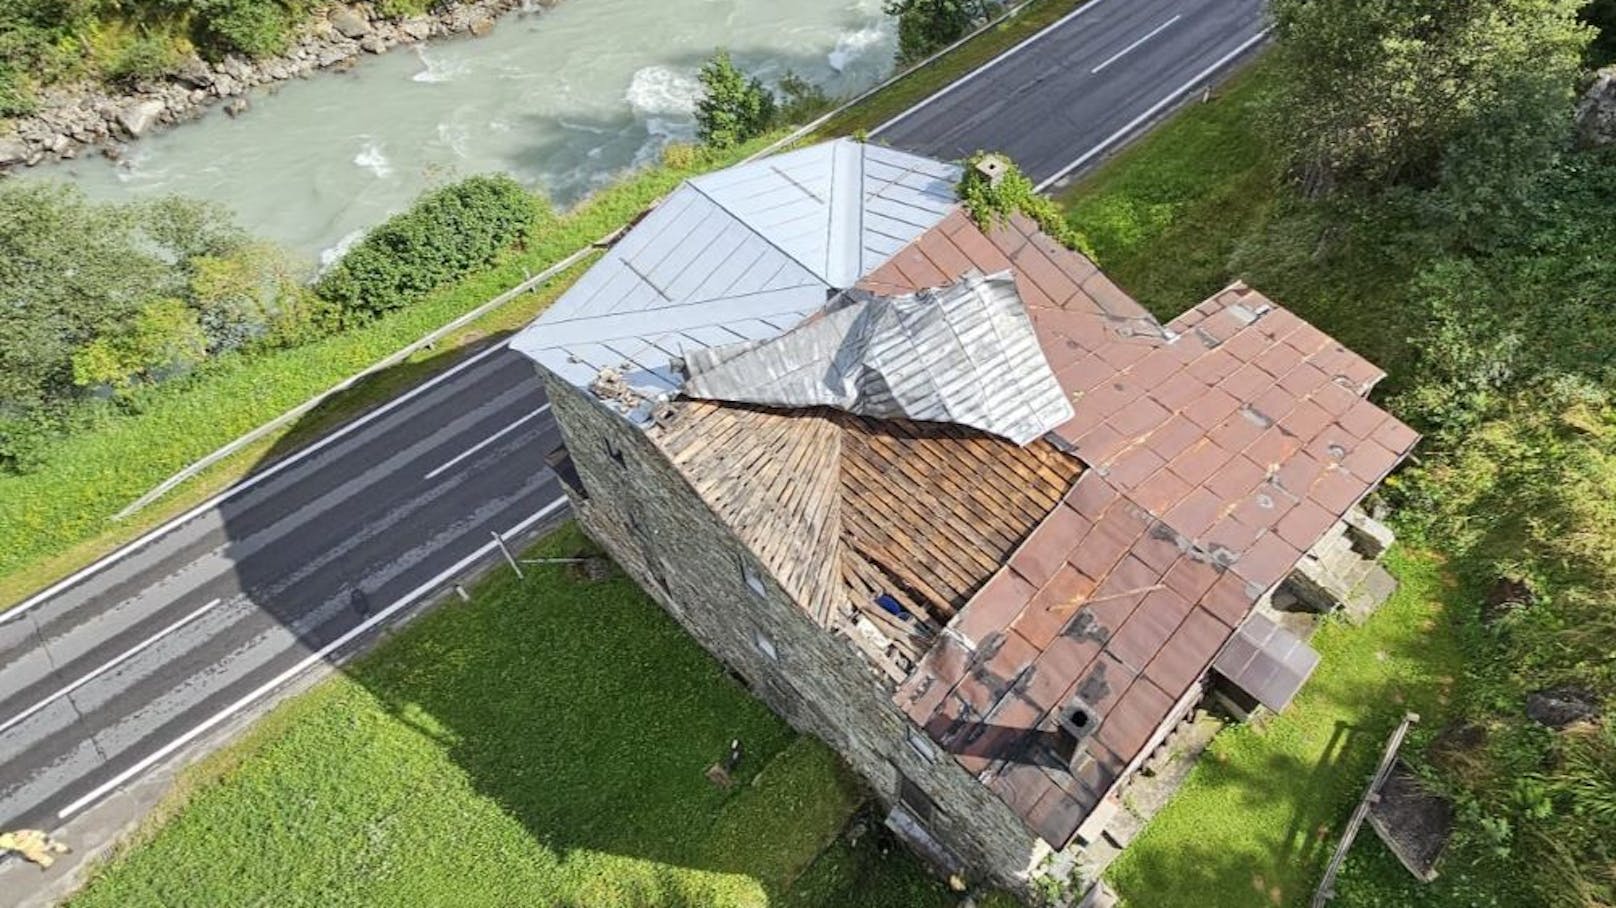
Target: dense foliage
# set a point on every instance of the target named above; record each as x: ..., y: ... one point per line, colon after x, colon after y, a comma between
x: 1394, y: 91
x: 446, y: 234
x: 927, y: 26
x: 1439, y: 176
x: 991, y: 202
x: 732, y: 108
x: 101, y: 298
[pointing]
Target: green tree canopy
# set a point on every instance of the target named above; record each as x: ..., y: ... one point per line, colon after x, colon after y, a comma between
x: 927, y: 26
x: 1379, y: 92
x: 732, y: 108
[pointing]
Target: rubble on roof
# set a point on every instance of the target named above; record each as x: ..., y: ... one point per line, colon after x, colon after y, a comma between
x: 964, y: 353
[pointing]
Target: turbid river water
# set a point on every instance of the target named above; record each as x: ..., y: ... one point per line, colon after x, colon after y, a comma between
x: 561, y: 100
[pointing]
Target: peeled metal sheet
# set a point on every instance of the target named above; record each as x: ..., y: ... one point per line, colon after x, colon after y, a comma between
x: 964, y: 354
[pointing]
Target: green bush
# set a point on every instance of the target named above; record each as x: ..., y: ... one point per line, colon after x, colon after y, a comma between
x: 445, y: 235
x: 256, y: 28
x: 732, y: 108
x: 16, y: 94
x: 142, y: 60
x: 928, y: 26
x: 990, y: 203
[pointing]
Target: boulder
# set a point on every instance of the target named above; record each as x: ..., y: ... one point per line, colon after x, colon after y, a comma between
x: 235, y: 107
x: 1596, y: 112
x: 419, y: 28
x: 481, y: 26
x: 373, y: 44
x: 139, y: 116
x: 349, y: 23
x: 1558, y: 707
x: 194, y: 72
x: 13, y: 151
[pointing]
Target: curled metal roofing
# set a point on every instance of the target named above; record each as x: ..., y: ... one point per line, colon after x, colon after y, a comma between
x: 740, y: 254
x: 964, y: 354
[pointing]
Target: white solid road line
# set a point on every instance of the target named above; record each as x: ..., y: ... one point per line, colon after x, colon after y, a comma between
x: 303, y: 665
x: 1135, y: 46
x: 487, y: 441
x: 17, y: 610
x: 1156, y: 108
x: 108, y: 666
x: 942, y: 92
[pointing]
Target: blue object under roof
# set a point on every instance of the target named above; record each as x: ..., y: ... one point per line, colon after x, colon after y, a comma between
x: 741, y: 254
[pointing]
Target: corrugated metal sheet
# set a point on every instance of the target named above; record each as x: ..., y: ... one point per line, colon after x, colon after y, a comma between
x: 965, y: 354
x: 741, y: 254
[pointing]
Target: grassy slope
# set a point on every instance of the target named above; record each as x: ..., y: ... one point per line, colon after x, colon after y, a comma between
x: 1258, y: 816
x: 544, y: 745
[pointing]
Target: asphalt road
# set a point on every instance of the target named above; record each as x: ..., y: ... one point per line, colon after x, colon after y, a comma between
x: 109, y: 673
x: 1082, y: 86
x: 96, y: 679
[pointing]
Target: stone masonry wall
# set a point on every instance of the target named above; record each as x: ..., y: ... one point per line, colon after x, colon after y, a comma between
x: 655, y: 525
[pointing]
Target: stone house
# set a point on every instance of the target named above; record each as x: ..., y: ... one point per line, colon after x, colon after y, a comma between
x: 946, y: 497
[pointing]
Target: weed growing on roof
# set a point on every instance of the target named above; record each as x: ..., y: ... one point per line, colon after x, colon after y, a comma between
x: 991, y: 202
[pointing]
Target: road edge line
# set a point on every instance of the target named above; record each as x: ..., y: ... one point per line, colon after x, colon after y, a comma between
x: 304, y: 664
x: 1157, y: 108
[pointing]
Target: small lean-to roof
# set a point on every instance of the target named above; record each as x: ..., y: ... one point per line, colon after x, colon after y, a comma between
x: 737, y: 255
x: 1266, y: 661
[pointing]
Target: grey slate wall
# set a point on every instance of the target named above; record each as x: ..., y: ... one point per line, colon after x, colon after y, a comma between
x: 654, y: 524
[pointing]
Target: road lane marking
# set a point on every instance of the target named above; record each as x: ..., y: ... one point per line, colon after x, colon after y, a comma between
x: 487, y: 441
x: 107, y: 666
x: 303, y: 665
x: 1135, y: 46
x: 1156, y: 108
x: 940, y: 93
x: 249, y: 482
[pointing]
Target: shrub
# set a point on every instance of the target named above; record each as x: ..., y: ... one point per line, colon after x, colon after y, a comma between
x: 990, y: 203
x: 732, y: 108
x: 446, y: 234
x: 801, y: 100
x: 141, y: 60
x: 927, y: 26
x: 16, y: 95
x: 257, y: 28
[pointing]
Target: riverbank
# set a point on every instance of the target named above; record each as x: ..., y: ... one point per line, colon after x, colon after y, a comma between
x: 76, y: 118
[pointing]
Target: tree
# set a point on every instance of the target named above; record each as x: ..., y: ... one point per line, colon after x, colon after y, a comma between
x: 1376, y: 93
x: 732, y: 108
x: 926, y: 26
x: 162, y: 336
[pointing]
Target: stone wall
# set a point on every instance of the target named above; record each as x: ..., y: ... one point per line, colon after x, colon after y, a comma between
x: 653, y: 523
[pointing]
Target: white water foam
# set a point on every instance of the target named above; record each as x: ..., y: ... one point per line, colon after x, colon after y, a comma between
x: 436, y: 68
x: 330, y: 256
x: 853, y: 46
x: 457, y: 137
x: 372, y: 159
x: 663, y: 90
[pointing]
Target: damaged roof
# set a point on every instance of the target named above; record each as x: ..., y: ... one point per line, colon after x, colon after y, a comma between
x: 1221, y: 446
x: 741, y: 254
x: 964, y: 353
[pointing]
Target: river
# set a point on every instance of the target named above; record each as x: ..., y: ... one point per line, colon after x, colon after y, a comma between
x: 561, y: 100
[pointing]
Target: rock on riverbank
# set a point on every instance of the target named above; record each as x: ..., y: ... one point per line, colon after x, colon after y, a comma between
x: 74, y: 118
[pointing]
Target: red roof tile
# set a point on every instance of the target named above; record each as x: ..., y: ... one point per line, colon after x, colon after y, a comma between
x: 1223, y: 445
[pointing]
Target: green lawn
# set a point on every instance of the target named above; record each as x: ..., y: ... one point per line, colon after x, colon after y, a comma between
x: 1259, y: 815
x: 543, y: 745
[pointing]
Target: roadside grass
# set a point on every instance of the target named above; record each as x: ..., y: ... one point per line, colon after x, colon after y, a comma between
x: 1260, y: 814
x: 544, y: 744
x: 920, y: 83
x: 58, y: 518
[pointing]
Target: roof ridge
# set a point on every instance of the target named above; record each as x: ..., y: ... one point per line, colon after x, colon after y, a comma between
x: 816, y: 272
